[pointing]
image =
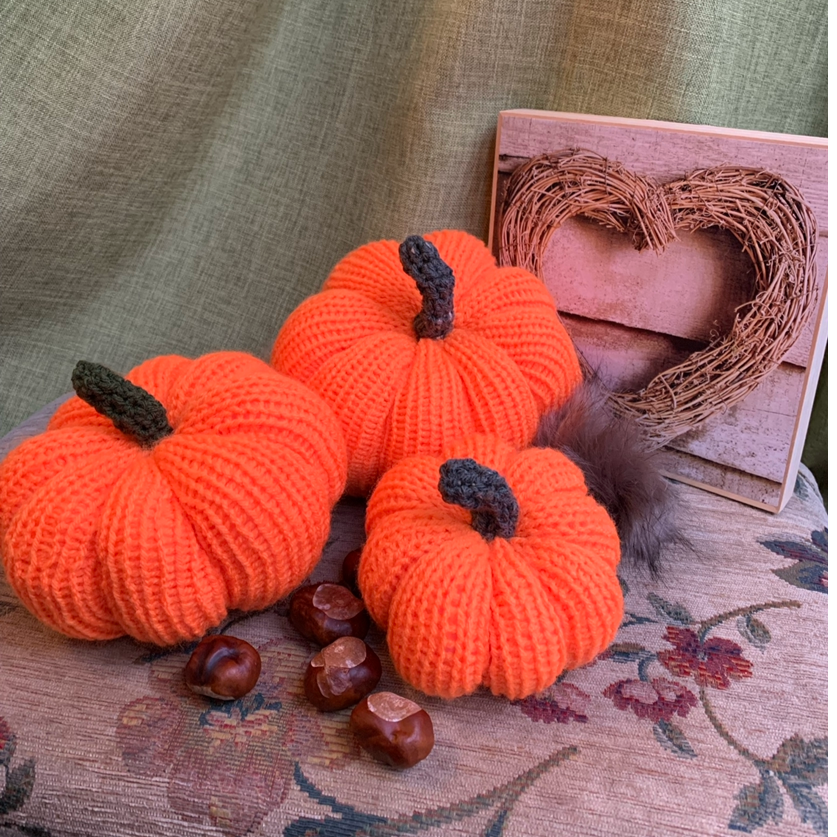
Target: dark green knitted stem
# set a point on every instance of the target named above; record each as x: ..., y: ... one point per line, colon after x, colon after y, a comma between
x: 484, y: 492
x: 134, y: 411
x: 421, y: 260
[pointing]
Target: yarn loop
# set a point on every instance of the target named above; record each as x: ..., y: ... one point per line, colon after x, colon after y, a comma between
x: 435, y: 280
x: 494, y: 509
x: 133, y: 410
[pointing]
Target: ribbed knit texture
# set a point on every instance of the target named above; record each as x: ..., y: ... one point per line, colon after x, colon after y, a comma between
x: 507, y: 360
x: 511, y: 614
x: 101, y: 537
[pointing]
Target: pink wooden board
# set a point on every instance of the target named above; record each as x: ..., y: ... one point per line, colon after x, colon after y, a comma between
x: 634, y: 314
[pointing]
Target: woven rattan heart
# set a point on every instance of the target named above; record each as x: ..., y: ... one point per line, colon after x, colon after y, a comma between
x: 765, y: 213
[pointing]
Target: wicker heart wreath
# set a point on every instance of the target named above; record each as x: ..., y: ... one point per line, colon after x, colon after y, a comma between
x: 767, y: 215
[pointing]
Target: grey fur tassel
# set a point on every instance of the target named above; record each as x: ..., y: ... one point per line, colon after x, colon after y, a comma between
x: 622, y: 474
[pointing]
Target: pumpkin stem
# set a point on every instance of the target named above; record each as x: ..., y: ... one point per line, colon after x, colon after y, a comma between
x: 134, y: 411
x: 421, y: 260
x: 485, y: 492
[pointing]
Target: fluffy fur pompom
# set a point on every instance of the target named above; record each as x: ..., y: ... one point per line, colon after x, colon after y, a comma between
x: 621, y: 471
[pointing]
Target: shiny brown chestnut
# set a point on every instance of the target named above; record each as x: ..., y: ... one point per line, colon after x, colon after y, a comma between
x: 392, y: 729
x: 341, y: 674
x: 348, y: 575
x: 324, y: 612
x: 223, y: 667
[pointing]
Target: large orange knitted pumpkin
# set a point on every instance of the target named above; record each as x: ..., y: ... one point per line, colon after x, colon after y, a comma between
x: 417, y: 345
x: 489, y: 566
x: 152, y: 507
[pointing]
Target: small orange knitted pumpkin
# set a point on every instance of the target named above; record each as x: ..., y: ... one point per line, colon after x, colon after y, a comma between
x: 418, y: 345
x: 489, y: 566
x: 152, y: 508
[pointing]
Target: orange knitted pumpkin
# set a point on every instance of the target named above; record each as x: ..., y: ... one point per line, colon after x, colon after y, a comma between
x: 151, y: 508
x: 418, y: 345
x: 489, y: 566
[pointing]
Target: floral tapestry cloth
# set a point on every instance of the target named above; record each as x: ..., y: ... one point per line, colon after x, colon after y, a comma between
x: 706, y: 716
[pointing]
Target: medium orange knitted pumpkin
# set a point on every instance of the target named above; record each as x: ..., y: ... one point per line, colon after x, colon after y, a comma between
x: 151, y: 508
x: 418, y: 345
x: 489, y: 566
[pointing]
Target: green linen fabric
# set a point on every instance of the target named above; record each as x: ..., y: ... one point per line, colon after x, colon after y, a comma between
x: 177, y: 177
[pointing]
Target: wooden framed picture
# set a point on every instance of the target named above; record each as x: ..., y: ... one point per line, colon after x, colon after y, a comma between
x: 689, y: 264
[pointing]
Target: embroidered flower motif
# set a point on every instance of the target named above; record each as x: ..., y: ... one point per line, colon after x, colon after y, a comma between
x: 16, y: 783
x: 560, y: 703
x: 231, y: 763
x: 810, y: 572
x: 804, y: 760
x: 798, y: 766
x: 658, y: 699
x: 712, y: 662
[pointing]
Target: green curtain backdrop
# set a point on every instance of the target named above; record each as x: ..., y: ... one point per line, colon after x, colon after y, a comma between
x: 176, y: 177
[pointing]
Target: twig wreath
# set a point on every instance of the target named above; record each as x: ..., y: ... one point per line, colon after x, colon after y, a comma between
x: 765, y: 213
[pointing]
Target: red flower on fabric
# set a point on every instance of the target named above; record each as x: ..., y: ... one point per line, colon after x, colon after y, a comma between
x: 6, y: 734
x: 560, y: 703
x: 658, y: 699
x: 712, y: 662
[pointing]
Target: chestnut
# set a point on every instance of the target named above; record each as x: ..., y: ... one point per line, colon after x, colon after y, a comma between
x: 392, y: 729
x: 324, y: 612
x: 341, y: 674
x: 223, y: 667
x: 349, y: 570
